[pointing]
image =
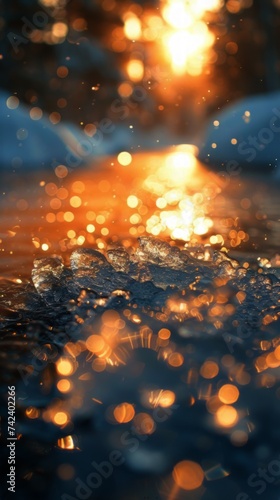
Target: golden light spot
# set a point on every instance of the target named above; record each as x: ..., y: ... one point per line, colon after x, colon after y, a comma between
x: 209, y: 369
x: 64, y: 366
x: 213, y: 145
x: 233, y: 141
x: 95, y: 344
x: 144, y: 423
x: 59, y: 30
x: 226, y: 416
x: 161, y: 203
x: 175, y: 359
x: 66, y: 443
x: 135, y: 70
x: 135, y: 219
x: 60, y: 418
x: 75, y: 201
x: 45, y: 247
x: 272, y: 361
x: 161, y: 398
x: 100, y: 219
x: 123, y: 413
x: 90, y: 228
x: 32, y: 412
x: 64, y: 385
x: 132, y: 27
x: 124, y: 158
x: 216, y: 123
x: 68, y: 216
x: 164, y: 334
x: 228, y: 394
x: 71, y: 233
x: 188, y: 475
x: 132, y: 201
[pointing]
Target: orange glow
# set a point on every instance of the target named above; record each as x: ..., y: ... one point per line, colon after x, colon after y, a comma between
x: 162, y: 398
x: 209, y: 369
x: 75, y: 201
x: 188, y: 38
x: 277, y: 353
x: 125, y: 89
x: 132, y: 27
x: 32, y: 412
x: 164, y: 334
x: 64, y: 366
x: 175, y: 359
x: 135, y: 70
x: 144, y: 423
x: 66, y: 443
x: 188, y: 475
x: 110, y: 318
x: 124, y: 158
x: 60, y: 418
x: 185, y: 214
x: 124, y: 412
x: 226, y: 416
x: 95, y: 344
x: 132, y: 201
x: 64, y: 385
x: 228, y: 394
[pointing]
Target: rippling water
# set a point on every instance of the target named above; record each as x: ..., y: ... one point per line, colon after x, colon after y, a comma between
x: 145, y: 358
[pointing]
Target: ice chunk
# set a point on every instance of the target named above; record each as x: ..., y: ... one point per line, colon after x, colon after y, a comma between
x: 119, y: 259
x: 87, y: 258
x: 46, y: 276
x: 157, y: 251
